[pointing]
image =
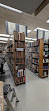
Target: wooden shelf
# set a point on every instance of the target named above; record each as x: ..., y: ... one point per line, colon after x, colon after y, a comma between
x: 20, y: 40
x: 46, y: 63
x: 20, y: 83
x: 20, y: 77
x: 45, y: 69
x: 20, y: 63
x: 44, y: 76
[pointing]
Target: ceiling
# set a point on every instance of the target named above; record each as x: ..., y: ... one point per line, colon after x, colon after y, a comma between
x: 26, y: 19
x: 23, y: 5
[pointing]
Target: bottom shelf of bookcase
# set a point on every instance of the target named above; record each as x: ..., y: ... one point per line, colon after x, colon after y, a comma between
x: 20, y: 83
x: 43, y: 76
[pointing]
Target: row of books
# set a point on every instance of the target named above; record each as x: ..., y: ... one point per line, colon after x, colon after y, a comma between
x: 45, y: 67
x: 20, y: 66
x: 35, y: 61
x: 35, y: 55
x: 32, y: 44
x: 20, y: 60
x: 32, y: 56
x: 20, y: 80
x: 20, y: 54
x: 45, y: 60
x: 19, y: 44
x: 20, y: 73
x: 19, y: 36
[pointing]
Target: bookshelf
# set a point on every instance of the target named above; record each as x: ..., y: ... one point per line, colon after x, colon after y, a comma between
x: 1, y: 97
x: 37, y: 59
x: 19, y: 52
x: 44, y: 59
x: 16, y: 57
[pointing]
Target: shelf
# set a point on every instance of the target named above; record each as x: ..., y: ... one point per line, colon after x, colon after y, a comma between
x: 20, y: 83
x: 20, y: 77
x: 35, y: 58
x: 35, y: 64
x: 10, y: 52
x: 19, y: 40
x: 35, y: 52
x: 20, y: 63
x: 45, y: 69
x: 46, y: 63
x: 20, y: 57
x: 44, y: 76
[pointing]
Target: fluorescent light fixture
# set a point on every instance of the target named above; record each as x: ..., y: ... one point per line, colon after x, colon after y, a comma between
x: 26, y: 38
x: 10, y: 8
x: 30, y: 41
x: 47, y: 21
x: 2, y: 42
x: 40, y: 29
x: 2, y: 38
x: 4, y: 35
x: 28, y: 31
x: 34, y: 39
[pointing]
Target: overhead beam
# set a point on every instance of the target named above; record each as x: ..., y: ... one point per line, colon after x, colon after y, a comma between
x: 43, y: 4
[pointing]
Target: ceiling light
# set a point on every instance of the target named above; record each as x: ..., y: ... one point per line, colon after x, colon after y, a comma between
x: 40, y: 29
x: 1, y: 38
x: 47, y: 21
x: 28, y: 31
x: 30, y: 41
x: 34, y: 39
x: 10, y: 8
x: 2, y: 42
x: 26, y: 38
x: 4, y: 35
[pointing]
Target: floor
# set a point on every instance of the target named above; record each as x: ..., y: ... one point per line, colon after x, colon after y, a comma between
x: 34, y: 95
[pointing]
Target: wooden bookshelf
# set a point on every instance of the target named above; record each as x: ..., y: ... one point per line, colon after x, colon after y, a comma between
x: 39, y: 62
x: 1, y: 97
x: 19, y: 55
x: 43, y: 64
x: 16, y: 57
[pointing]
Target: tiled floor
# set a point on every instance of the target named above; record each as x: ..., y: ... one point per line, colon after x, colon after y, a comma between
x: 34, y: 95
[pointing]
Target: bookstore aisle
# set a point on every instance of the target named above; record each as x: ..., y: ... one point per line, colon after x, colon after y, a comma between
x: 34, y: 95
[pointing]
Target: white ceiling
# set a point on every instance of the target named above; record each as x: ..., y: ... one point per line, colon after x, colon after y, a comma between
x: 26, y: 19
x: 23, y: 5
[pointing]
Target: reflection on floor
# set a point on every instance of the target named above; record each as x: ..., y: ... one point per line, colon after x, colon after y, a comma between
x: 34, y: 95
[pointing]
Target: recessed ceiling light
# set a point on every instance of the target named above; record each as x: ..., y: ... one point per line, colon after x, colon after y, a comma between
x: 28, y: 31
x: 47, y: 21
x: 40, y: 29
x: 10, y: 8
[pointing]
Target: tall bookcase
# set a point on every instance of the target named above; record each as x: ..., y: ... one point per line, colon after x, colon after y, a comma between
x: 38, y: 53
x: 44, y: 58
x: 16, y: 57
